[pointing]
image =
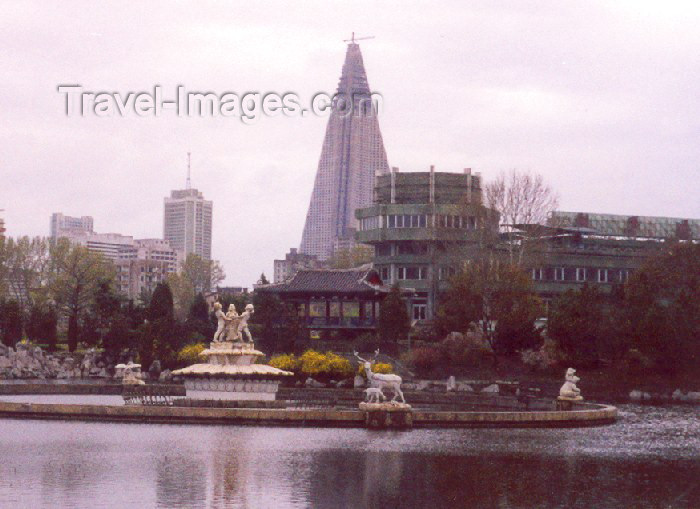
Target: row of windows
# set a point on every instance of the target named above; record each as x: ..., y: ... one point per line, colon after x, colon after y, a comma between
x: 406, y: 221
x: 463, y: 222
x: 418, y: 221
x: 581, y: 274
x: 415, y: 272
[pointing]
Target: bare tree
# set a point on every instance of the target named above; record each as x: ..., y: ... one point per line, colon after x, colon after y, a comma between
x: 197, y: 275
x: 521, y: 198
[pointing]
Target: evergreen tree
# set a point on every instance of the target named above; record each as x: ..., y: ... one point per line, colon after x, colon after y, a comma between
x: 579, y: 322
x: 161, y: 305
x: 662, y: 309
x: 10, y: 322
x: 393, y: 323
x: 41, y: 326
x: 198, y: 320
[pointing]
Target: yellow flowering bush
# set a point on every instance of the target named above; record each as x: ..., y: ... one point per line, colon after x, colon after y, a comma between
x: 380, y: 368
x: 286, y: 362
x: 189, y: 354
x: 325, y: 366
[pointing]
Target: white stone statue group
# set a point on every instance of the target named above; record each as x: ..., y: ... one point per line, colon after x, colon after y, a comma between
x: 569, y: 391
x: 231, y: 325
x: 377, y: 382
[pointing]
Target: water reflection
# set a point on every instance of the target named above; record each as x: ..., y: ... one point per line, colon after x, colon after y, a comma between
x: 650, y: 459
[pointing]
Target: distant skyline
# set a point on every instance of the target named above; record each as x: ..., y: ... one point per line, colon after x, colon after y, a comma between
x: 599, y: 97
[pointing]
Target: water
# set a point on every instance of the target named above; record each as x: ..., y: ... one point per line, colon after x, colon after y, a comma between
x: 651, y: 458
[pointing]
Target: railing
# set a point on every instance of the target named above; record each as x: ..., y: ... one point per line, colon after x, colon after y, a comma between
x: 150, y: 395
x: 336, y: 321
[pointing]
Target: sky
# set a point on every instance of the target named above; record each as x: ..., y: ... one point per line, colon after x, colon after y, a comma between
x: 601, y: 98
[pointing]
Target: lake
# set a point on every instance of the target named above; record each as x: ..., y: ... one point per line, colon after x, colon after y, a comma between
x: 650, y: 458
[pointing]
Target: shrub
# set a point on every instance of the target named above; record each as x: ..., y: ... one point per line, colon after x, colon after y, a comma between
x: 548, y: 356
x: 286, y: 362
x: 325, y: 366
x: 464, y: 351
x: 189, y: 354
x: 380, y: 368
x: 424, y: 359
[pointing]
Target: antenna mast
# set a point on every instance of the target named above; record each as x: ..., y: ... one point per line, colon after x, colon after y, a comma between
x: 353, y: 38
x: 189, y: 182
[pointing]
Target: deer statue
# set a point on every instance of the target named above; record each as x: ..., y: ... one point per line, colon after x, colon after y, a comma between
x: 380, y: 381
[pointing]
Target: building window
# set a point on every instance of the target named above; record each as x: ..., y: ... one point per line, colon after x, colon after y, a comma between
x: 403, y: 273
x: 420, y: 311
x: 624, y: 275
x: 407, y: 221
x: 537, y: 274
x: 580, y: 274
x: 602, y: 275
x: 446, y: 273
x: 559, y: 273
x: 384, y: 274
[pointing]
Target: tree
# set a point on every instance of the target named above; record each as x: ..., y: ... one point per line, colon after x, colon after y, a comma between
x: 101, y: 312
x: 25, y: 261
x: 351, y: 257
x: 275, y: 324
x: 41, y: 325
x: 10, y: 322
x: 520, y: 198
x: 198, y: 320
x: 498, y: 297
x: 662, y: 309
x: 197, y: 275
x: 161, y: 305
x: 580, y: 323
x: 394, y: 322
x: 161, y: 335
x: 74, y: 277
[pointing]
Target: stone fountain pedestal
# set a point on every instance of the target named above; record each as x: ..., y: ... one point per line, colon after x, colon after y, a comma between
x: 390, y: 415
x: 230, y: 373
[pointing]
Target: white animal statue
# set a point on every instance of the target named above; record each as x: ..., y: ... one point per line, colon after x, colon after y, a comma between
x: 374, y: 395
x: 569, y: 389
x: 381, y: 381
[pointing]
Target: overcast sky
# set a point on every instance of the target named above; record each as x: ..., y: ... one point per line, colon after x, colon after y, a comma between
x: 599, y: 97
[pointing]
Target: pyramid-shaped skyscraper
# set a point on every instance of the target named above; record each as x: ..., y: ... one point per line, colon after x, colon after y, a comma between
x: 352, y: 154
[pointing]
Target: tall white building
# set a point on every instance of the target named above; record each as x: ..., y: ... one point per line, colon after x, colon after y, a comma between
x: 187, y: 222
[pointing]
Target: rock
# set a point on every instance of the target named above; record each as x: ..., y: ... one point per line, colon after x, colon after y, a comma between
x: 463, y: 387
x: 3, y: 349
x: 451, y: 384
x: 491, y: 389
x: 165, y: 376
x: 344, y: 383
x: 636, y: 395
x: 677, y: 395
x: 423, y: 385
x: 310, y: 382
x: 694, y: 397
x: 646, y: 396
x: 155, y: 369
x: 359, y: 381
